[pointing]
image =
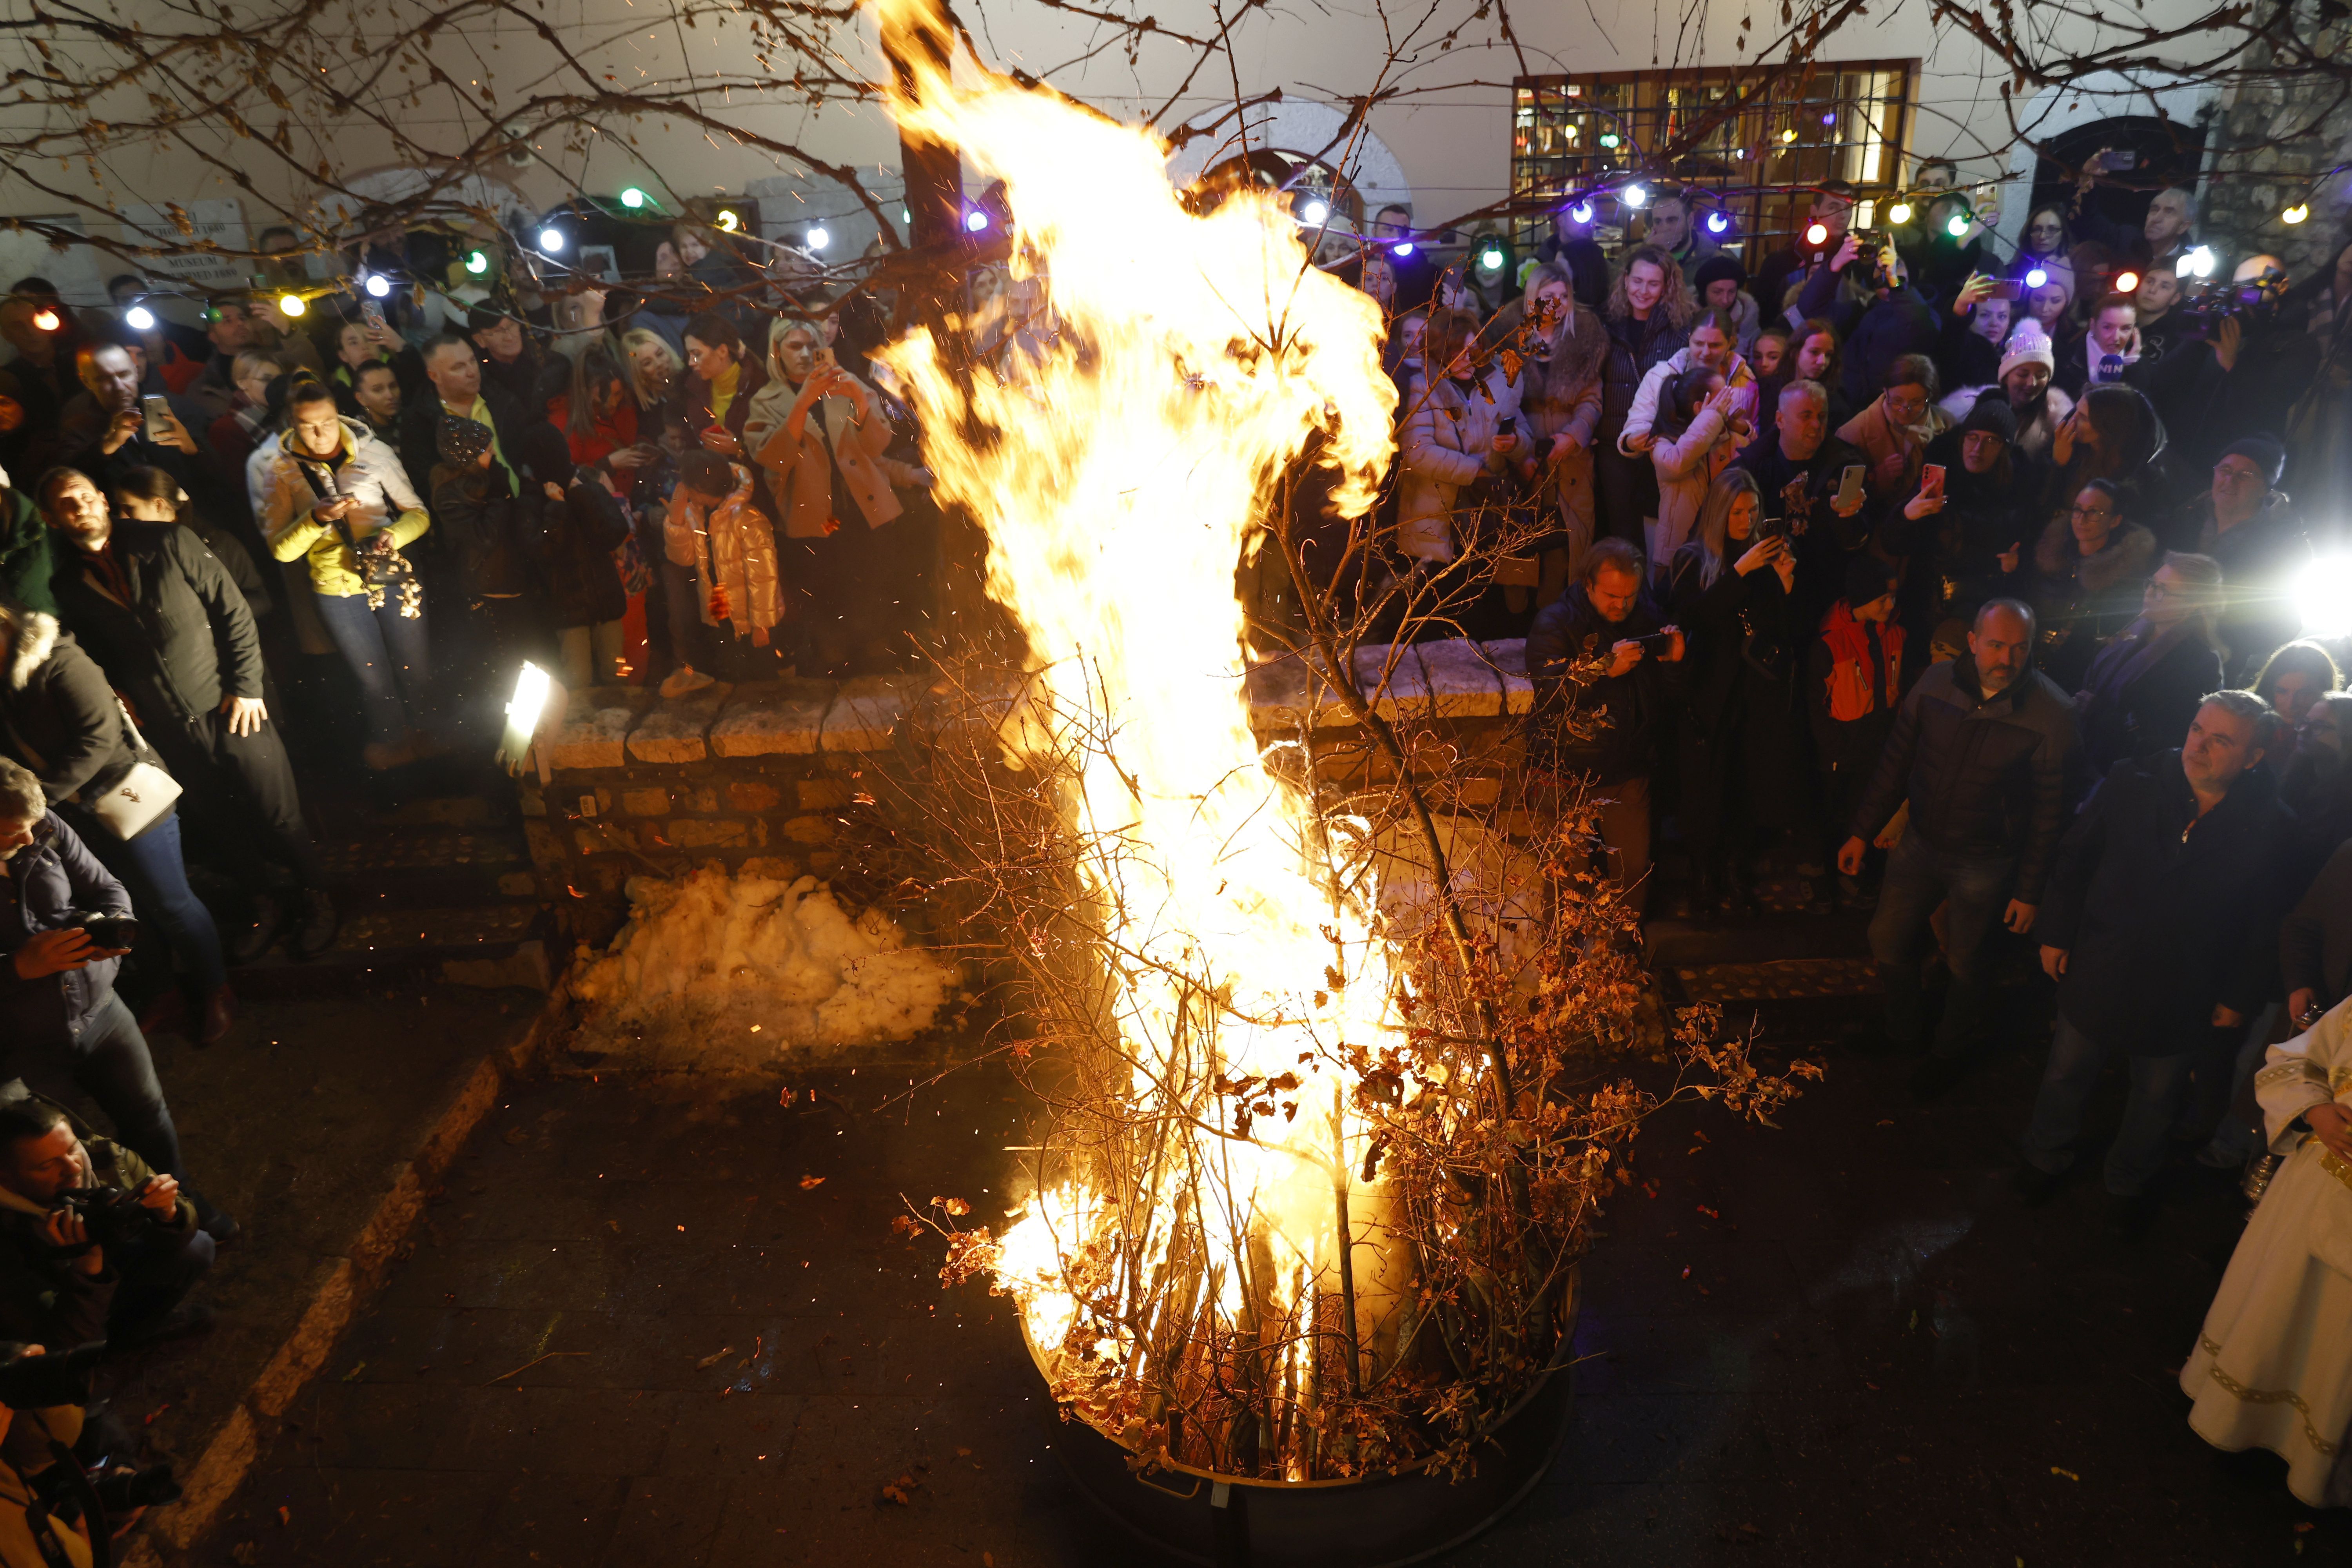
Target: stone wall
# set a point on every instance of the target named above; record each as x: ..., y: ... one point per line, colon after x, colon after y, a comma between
x: 2274, y: 137
x: 792, y: 774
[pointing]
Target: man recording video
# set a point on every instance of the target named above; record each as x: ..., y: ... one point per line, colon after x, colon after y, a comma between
x: 94, y: 1244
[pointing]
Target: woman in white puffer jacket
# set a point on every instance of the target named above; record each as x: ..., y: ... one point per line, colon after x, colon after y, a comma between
x: 1447, y: 440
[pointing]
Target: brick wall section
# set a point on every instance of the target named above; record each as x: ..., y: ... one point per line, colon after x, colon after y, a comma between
x: 783, y: 777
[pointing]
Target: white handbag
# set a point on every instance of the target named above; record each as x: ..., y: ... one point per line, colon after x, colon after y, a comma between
x: 140, y: 799
x: 135, y: 802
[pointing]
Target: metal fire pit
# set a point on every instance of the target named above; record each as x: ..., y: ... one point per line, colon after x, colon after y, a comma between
x: 1196, y: 1517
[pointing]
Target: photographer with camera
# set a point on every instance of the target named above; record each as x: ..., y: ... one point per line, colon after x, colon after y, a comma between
x: 94, y: 1243
x: 65, y: 923
x: 1832, y: 208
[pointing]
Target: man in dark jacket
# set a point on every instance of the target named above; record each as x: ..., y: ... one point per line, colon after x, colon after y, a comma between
x: 173, y: 632
x: 1878, y: 326
x: 1981, y: 749
x: 2160, y: 926
x: 1601, y: 700
x: 60, y: 718
x: 1799, y: 465
x: 57, y: 1006
x: 60, y: 1286
x: 455, y: 390
x: 2316, y: 941
x: 2247, y: 523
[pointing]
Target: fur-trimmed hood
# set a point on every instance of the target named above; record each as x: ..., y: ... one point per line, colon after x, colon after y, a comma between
x: 29, y: 637
x: 2130, y: 553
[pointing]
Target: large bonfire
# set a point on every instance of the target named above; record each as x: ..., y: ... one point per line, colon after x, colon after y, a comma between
x: 1289, y: 1218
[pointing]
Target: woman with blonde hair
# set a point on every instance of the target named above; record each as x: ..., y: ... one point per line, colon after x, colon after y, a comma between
x: 1731, y: 590
x: 816, y: 434
x: 654, y: 367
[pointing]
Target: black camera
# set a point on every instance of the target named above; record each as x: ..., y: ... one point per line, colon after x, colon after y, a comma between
x: 35, y: 1382
x: 2255, y: 298
x: 111, y: 1216
x: 117, y: 933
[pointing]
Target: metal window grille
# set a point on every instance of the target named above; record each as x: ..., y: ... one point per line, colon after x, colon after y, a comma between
x: 1588, y: 135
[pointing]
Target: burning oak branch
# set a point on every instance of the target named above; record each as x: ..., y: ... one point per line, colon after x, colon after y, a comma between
x: 1313, y: 1174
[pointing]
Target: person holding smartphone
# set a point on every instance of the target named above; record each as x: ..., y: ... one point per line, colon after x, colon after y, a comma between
x: 1603, y: 645
x: 61, y: 1014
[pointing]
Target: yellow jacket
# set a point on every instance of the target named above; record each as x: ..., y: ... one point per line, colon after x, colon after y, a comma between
x: 283, y: 496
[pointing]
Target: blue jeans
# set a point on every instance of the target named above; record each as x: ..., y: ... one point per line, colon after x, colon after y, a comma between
x: 1918, y: 877
x: 2137, y: 1153
x: 110, y: 1063
x: 150, y: 866
x: 387, y: 651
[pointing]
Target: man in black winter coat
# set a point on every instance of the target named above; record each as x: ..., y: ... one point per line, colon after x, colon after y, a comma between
x: 1601, y: 698
x: 1980, y: 751
x: 456, y: 390
x: 1799, y: 466
x: 163, y: 617
x: 2160, y: 926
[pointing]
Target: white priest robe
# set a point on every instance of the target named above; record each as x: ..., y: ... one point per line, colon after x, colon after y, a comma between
x: 2273, y: 1366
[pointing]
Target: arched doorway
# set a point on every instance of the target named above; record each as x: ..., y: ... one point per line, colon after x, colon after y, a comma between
x: 2088, y: 107
x: 2162, y: 153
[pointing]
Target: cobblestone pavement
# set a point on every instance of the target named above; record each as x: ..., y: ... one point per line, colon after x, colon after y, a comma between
x: 654, y: 1324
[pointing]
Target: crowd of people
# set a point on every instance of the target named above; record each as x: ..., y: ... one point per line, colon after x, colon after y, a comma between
x: 1963, y: 587
x: 1971, y: 591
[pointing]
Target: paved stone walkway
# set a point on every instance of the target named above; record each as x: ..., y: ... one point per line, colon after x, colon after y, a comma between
x: 638, y: 1334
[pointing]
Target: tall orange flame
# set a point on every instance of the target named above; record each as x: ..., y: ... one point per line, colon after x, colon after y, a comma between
x: 1173, y: 365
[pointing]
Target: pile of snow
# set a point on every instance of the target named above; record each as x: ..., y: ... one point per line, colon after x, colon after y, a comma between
x: 730, y: 971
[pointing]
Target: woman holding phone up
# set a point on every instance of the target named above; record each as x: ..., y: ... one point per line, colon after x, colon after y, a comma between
x: 1731, y: 589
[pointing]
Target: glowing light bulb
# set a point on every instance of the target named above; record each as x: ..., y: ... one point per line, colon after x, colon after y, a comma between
x: 818, y: 238
x: 1609, y: 138
x: 477, y: 262
x: 1899, y: 213
x: 633, y: 198
x: 2127, y: 282
x: 2323, y: 597
x: 140, y: 319
x: 1403, y: 247
x: 378, y: 285
x: 1491, y: 258
x: 728, y: 221
x: 973, y: 222
x: 1315, y: 214
x: 2199, y: 261
x: 905, y: 214
x: 1581, y: 212
x: 2295, y: 213
x: 1717, y: 224
x: 44, y: 319
x: 1957, y: 224
x: 551, y: 240
x: 1816, y: 234
x: 292, y: 304
x: 1633, y: 196
x: 2036, y: 277
x: 1789, y: 135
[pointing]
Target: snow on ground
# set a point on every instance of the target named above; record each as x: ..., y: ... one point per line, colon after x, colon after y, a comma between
x: 731, y: 972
